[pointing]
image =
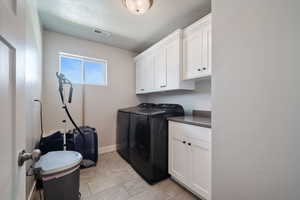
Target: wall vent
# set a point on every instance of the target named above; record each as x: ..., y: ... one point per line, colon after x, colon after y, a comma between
x: 102, y: 33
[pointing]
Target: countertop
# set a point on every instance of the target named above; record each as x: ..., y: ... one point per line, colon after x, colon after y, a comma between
x: 199, y: 118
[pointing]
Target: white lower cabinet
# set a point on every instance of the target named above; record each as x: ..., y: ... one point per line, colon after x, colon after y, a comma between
x: 200, y: 173
x: 190, y: 157
x: 178, y: 163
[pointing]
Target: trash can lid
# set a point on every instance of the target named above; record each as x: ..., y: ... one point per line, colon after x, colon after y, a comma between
x: 57, y: 161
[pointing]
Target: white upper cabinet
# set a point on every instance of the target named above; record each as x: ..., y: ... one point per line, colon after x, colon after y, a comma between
x: 197, y: 49
x: 148, y: 73
x: 171, y: 63
x: 139, y: 73
x: 160, y: 67
x: 145, y: 74
x: 174, y: 66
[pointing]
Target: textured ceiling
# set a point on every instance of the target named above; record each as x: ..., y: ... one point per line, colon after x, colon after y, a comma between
x: 131, y: 32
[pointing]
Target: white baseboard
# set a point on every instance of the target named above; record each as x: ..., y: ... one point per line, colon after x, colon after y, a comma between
x: 107, y: 149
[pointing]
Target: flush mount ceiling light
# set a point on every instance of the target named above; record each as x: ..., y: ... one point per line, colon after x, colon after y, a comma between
x: 138, y: 7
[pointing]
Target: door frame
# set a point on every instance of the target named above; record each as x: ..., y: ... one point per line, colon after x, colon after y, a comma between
x: 12, y: 33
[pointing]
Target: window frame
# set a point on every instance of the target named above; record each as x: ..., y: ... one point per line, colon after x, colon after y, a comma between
x: 83, y: 59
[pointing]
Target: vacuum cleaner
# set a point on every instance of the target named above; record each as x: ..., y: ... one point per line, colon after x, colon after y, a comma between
x: 81, y: 139
x: 57, y: 170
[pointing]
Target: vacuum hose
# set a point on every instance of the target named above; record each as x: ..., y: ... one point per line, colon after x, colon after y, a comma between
x: 62, y: 80
x: 71, y: 119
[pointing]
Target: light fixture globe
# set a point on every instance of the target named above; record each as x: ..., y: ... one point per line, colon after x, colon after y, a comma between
x: 138, y: 7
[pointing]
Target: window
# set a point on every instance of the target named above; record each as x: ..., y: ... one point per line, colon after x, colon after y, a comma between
x: 83, y: 70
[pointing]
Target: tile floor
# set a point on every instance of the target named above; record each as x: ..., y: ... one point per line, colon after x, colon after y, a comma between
x: 114, y: 179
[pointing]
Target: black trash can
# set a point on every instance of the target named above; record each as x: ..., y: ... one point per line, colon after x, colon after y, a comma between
x: 59, y: 173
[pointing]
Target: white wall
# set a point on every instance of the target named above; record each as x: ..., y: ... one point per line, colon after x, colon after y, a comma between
x: 101, y: 102
x: 33, y: 79
x: 256, y: 100
x: 199, y: 99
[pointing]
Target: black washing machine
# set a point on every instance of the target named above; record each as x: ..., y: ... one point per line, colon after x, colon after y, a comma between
x: 146, y: 146
x: 123, y: 128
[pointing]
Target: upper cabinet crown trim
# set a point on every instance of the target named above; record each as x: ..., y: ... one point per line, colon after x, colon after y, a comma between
x: 196, y: 25
x: 172, y: 37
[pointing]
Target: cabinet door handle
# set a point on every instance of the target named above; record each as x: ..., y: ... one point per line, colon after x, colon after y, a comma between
x: 199, y: 70
x: 142, y: 89
x: 183, y: 142
x: 204, y: 68
x: 189, y: 144
x: 162, y: 86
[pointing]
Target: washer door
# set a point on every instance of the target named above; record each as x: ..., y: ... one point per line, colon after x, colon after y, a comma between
x: 140, y: 145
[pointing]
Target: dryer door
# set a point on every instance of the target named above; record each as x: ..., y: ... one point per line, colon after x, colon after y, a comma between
x: 123, y: 124
x: 140, y: 145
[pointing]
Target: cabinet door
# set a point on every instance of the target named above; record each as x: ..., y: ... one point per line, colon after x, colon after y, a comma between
x: 173, y: 63
x: 139, y: 73
x: 148, y: 74
x: 197, y: 49
x: 206, y: 50
x: 199, y: 155
x: 178, y: 158
x: 193, y: 54
x: 144, y: 75
x: 160, y: 69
